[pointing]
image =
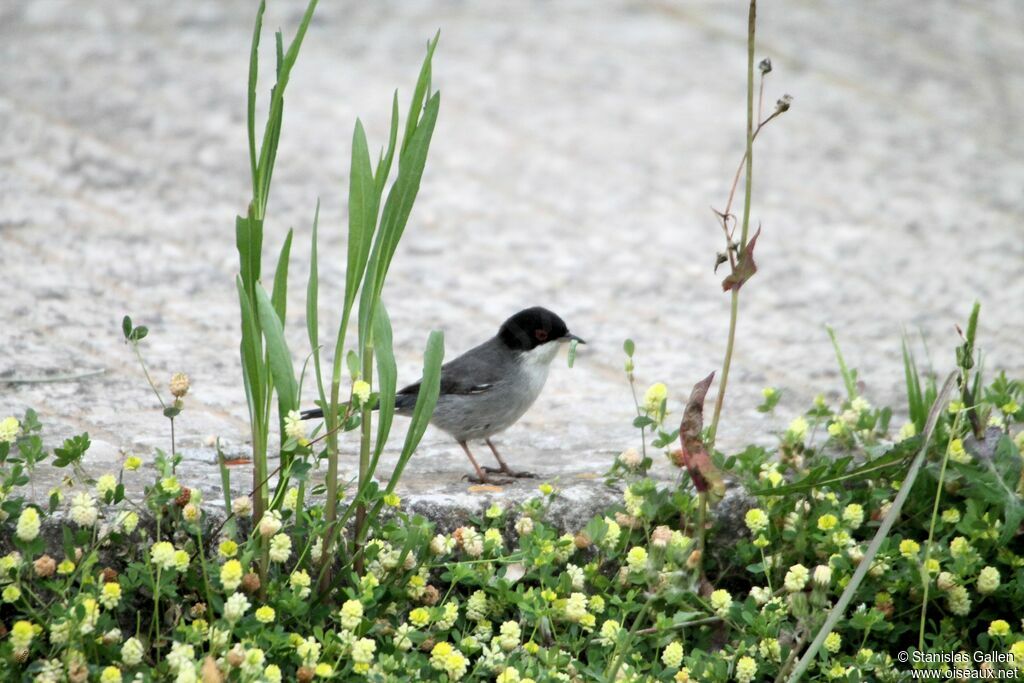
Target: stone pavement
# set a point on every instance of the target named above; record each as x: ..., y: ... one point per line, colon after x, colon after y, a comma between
x: 579, y: 148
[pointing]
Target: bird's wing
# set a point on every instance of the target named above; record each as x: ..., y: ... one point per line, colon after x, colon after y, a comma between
x: 474, y: 372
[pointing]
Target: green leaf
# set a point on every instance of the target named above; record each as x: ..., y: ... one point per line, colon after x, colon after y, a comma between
x: 280, y: 295
x: 837, y: 472
x: 363, y: 203
x: 422, y: 83
x: 139, y: 333
x: 313, y: 306
x: 426, y: 400
x: 281, y: 367
x: 396, y: 210
x: 249, y: 241
x: 629, y: 347
x: 387, y: 378
x: 253, y: 79
x: 849, y: 376
x: 126, y: 327
x: 72, y: 450
x: 384, y: 167
x: 251, y: 349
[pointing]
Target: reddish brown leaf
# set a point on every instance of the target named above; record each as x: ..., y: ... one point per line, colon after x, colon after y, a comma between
x: 693, y: 456
x: 745, y: 268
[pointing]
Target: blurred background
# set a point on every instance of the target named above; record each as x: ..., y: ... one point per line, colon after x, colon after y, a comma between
x: 579, y: 150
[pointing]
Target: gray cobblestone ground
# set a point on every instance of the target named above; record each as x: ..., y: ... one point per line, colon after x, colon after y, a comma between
x: 579, y: 147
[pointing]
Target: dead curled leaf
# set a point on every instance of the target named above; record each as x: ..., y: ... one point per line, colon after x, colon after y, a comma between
x: 745, y: 267
x: 693, y: 456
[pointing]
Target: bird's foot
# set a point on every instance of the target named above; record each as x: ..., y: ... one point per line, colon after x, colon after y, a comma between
x: 486, y: 480
x: 510, y: 472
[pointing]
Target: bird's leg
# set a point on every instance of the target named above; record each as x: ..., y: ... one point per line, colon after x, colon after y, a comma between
x: 479, y: 472
x: 504, y: 468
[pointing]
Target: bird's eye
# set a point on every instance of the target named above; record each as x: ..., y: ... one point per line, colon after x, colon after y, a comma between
x: 541, y: 335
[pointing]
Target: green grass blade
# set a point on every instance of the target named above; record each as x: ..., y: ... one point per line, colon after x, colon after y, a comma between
x: 363, y: 203
x: 272, y: 132
x: 251, y: 351
x: 281, y: 367
x: 915, y: 402
x: 384, y: 167
x: 849, y: 376
x: 430, y: 389
x: 883, y: 531
x: 398, y: 207
x: 418, y: 95
x: 280, y: 295
x: 387, y: 379
x: 313, y: 306
x: 251, y: 104
x: 249, y: 241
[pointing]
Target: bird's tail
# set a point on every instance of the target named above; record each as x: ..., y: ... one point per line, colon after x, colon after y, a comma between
x: 403, y: 403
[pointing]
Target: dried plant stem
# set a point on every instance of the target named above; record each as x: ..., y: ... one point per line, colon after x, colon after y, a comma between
x: 734, y: 309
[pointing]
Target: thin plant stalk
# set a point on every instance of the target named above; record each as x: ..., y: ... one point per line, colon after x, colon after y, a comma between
x: 925, y: 576
x: 884, y: 528
x: 734, y: 306
x: 366, y: 428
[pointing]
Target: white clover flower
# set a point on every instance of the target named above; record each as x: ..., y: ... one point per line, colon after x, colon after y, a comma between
x: 131, y: 652
x: 760, y: 595
x: 576, y: 577
x: 83, y: 510
x: 823, y: 575
x: 241, y: 506
x: 401, y: 637
x: 351, y: 614
x: 746, y: 669
x: 308, y: 651
x: 721, y: 602
x: 270, y: 523
x: 796, y: 578
x: 162, y: 555
x: 9, y: 428
x: 181, y: 656
x: 988, y: 580
x: 300, y: 581
x: 280, y: 548
x: 294, y: 427
x: 28, y: 524
x: 672, y: 655
x: 630, y: 458
x: 235, y: 607
x: 609, y: 634
x: 524, y: 526
x: 510, y: 635
x: 252, y: 663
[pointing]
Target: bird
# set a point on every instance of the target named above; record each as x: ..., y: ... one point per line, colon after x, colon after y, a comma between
x: 489, y: 388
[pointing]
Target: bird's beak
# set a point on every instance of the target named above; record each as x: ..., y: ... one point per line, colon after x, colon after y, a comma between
x: 572, y: 337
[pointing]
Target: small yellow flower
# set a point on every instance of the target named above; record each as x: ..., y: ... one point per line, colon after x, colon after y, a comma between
x: 265, y: 614
x: 756, y: 520
x: 419, y: 617
x: 393, y: 500
x: 957, y: 453
x: 361, y: 390
x: 9, y: 428
x: 546, y: 489
x: 132, y: 463
x: 227, y: 548
x: 999, y: 628
x: 827, y: 522
x: 909, y: 548
x: 65, y: 567
x: 721, y: 602
x: 654, y: 399
x: 324, y: 670
x: 110, y: 595
x: 833, y: 641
